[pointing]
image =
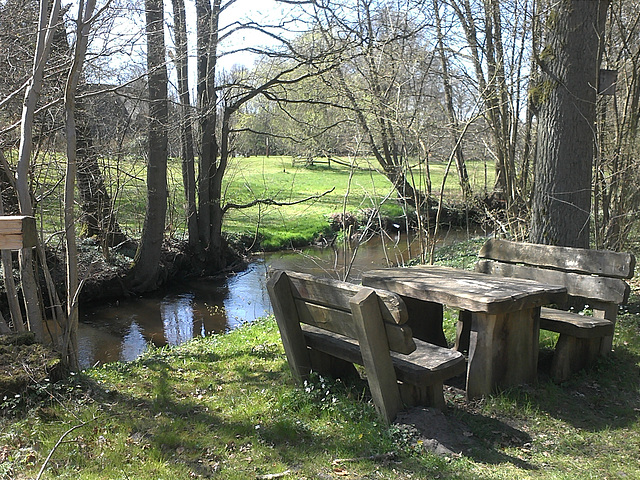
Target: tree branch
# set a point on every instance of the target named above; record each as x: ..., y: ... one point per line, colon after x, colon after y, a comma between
x: 271, y: 201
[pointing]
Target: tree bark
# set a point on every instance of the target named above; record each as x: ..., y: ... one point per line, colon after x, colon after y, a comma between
x: 146, y: 270
x: 70, y: 328
x: 98, y: 217
x: 570, y: 64
x: 186, y: 132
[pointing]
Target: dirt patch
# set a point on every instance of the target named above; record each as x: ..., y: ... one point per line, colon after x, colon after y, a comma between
x: 436, y: 432
x: 24, y: 362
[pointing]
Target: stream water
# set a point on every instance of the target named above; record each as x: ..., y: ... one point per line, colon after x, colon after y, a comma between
x: 122, y: 330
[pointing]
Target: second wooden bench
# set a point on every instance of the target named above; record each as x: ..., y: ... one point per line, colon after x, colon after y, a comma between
x: 324, y: 320
x: 594, y: 280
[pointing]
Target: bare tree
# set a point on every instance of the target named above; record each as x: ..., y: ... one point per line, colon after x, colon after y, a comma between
x: 616, y: 167
x: 46, y: 28
x: 69, y: 347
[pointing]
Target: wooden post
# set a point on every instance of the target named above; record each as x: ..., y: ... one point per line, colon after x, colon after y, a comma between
x: 286, y: 313
x: 374, y: 347
x: 17, y: 232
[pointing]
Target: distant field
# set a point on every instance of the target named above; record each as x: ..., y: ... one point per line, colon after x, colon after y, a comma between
x: 354, y: 190
x: 258, y: 177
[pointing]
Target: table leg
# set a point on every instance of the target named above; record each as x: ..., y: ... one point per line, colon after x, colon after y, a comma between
x: 425, y: 320
x: 463, y: 330
x: 503, y: 351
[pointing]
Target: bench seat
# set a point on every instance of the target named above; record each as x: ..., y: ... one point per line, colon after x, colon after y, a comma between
x: 427, y: 364
x: 574, y: 324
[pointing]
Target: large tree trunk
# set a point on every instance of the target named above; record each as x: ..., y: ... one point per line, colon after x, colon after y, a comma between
x: 146, y: 270
x: 206, y: 46
x: 570, y: 64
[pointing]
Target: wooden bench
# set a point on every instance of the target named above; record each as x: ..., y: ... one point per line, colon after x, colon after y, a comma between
x: 343, y: 322
x: 594, y: 280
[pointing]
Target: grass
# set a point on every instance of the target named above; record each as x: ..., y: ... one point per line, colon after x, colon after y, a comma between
x: 248, y: 179
x: 225, y: 406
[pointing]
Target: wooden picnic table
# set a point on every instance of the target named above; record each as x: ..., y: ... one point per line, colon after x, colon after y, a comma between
x: 505, y: 317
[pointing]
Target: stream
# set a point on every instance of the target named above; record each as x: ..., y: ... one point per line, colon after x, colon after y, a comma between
x: 121, y: 331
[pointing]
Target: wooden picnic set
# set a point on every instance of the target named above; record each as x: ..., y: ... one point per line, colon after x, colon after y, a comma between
x: 392, y: 324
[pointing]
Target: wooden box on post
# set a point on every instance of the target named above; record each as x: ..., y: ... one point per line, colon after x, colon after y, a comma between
x: 17, y: 232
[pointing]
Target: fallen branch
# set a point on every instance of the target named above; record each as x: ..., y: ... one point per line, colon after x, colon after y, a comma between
x: 270, y: 476
x: 385, y: 457
x: 58, y: 443
x: 270, y: 201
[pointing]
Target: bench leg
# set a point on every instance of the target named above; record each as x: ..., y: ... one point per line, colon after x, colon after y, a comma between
x: 423, y: 395
x: 573, y: 354
x: 463, y: 331
x: 610, y: 312
x: 425, y: 320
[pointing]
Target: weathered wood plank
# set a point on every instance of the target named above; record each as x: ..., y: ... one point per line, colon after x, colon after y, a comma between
x: 605, y: 289
x: 286, y: 314
x: 400, y: 336
x: 573, y: 354
x: 579, y: 260
x: 579, y: 326
x: 17, y: 232
x: 336, y: 294
x: 503, y: 351
x: 374, y: 348
x: 463, y: 289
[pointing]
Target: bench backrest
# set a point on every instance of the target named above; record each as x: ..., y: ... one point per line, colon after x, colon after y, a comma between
x: 595, y: 275
x: 374, y: 318
x: 325, y: 303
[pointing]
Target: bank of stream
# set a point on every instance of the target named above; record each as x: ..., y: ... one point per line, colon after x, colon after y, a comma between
x: 122, y: 330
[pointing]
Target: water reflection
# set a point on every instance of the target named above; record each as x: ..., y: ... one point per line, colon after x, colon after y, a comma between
x: 122, y: 330
x: 133, y: 343
x: 176, y: 312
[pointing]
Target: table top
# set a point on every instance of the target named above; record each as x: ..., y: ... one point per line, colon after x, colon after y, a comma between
x: 476, y: 292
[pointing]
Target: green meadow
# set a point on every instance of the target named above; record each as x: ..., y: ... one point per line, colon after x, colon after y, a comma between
x: 353, y: 185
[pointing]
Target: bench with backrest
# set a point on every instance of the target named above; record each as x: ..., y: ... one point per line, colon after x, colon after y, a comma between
x: 594, y: 280
x: 323, y: 320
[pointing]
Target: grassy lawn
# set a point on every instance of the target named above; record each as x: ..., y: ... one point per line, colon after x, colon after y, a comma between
x: 248, y: 179
x: 226, y: 407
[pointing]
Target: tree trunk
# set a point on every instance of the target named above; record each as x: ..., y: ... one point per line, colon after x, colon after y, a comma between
x: 570, y: 64
x: 206, y: 46
x: 70, y: 328
x: 35, y: 314
x: 454, y: 126
x: 98, y: 218
x: 186, y: 133
x: 146, y: 269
